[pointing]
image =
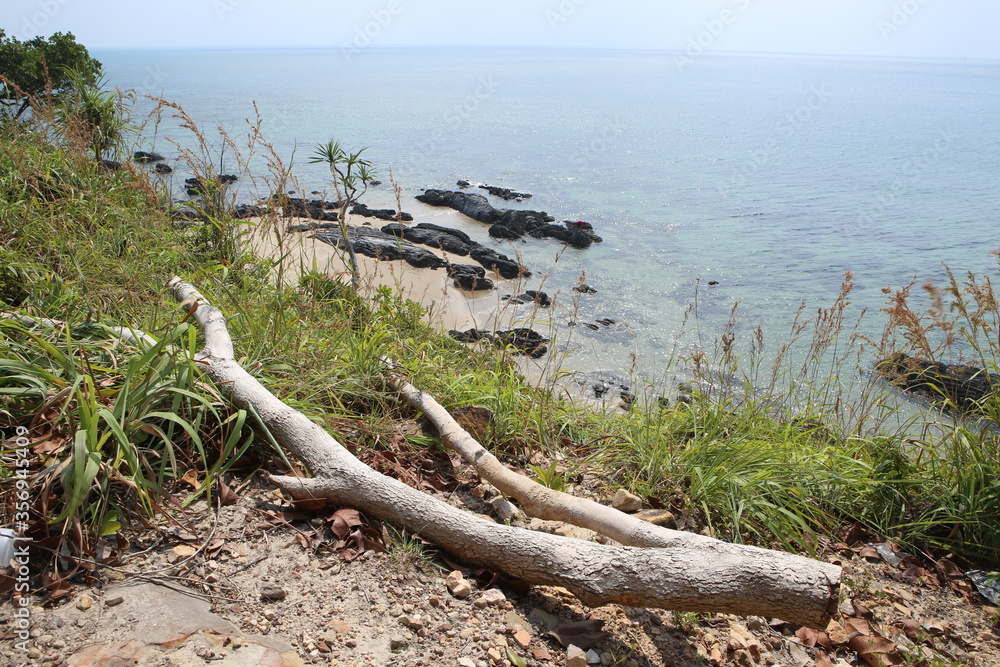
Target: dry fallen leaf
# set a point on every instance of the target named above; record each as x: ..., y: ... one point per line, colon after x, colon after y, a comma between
x: 191, y: 479
x: 584, y: 634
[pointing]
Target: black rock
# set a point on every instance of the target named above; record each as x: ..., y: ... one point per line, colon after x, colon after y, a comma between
x: 109, y: 165
x: 310, y: 226
x: 606, y: 321
x: 533, y: 296
x: 584, y: 288
x: 464, y: 184
x: 143, y: 157
x: 445, y: 239
x: 504, y: 266
x: 378, y: 244
x: 244, y: 211
x: 599, y: 384
x: 316, y: 209
x: 523, y: 340
x: 197, y: 186
x: 512, y: 223
x: 161, y: 168
x: 380, y: 213
x: 505, y: 194
x: 963, y: 386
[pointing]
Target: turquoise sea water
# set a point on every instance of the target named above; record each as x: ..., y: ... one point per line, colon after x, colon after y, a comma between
x: 770, y: 175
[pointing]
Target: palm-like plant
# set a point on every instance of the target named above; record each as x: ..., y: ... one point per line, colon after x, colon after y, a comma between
x: 96, y: 112
x: 351, y: 177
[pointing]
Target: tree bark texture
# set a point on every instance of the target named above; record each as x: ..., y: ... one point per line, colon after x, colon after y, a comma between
x: 688, y: 572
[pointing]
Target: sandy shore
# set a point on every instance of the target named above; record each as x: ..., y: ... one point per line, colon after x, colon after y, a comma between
x: 447, y: 306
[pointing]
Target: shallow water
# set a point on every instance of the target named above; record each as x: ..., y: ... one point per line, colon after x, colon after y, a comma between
x: 770, y: 175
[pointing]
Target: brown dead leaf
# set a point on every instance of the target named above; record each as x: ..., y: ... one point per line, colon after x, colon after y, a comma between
x: 876, y: 651
x: 191, y: 479
x: 583, y: 634
x: 813, y: 638
x: 343, y: 521
x: 854, y: 534
x: 184, y: 550
x: 823, y: 660
x: 870, y: 554
x: 226, y: 495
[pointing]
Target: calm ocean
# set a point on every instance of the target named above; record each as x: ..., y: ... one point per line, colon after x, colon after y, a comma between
x: 770, y: 175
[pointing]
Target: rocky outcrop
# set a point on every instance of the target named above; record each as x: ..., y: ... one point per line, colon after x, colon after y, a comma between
x: 244, y: 211
x: 531, y: 296
x: 469, y: 277
x: 512, y: 223
x: 379, y: 245
x: 315, y: 209
x: 197, y: 186
x: 380, y: 213
x: 161, y: 168
x: 143, y: 157
x: 602, y: 385
x: 504, y: 193
x: 963, y: 386
x: 523, y: 340
x: 459, y: 243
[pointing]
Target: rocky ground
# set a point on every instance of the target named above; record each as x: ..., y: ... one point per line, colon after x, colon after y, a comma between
x: 261, y: 581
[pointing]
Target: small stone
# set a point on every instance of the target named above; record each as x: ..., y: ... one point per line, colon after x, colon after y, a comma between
x: 626, y: 502
x: 494, y: 655
x: 466, y: 662
x: 458, y: 585
x: 270, y: 615
x: 607, y: 658
x: 491, y: 597
x: 541, y: 653
x: 34, y: 653
x: 340, y: 627
x: 575, y: 656
x: 593, y: 657
x: 272, y: 593
x: 114, y: 602
x: 412, y: 621
x: 522, y: 638
x: 505, y: 510
x: 84, y: 603
x: 398, y: 644
x: 434, y: 601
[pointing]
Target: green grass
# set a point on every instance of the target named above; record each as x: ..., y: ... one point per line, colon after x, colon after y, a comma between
x: 785, y: 461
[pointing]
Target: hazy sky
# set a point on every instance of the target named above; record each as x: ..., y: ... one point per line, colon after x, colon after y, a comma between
x: 908, y: 28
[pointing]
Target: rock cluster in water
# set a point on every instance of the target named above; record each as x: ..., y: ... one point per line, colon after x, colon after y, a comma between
x: 523, y: 340
x: 509, y: 223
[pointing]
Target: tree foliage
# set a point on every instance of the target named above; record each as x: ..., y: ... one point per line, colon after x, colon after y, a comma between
x: 41, y: 67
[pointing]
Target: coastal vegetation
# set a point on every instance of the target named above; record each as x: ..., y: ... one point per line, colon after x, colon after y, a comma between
x: 99, y: 368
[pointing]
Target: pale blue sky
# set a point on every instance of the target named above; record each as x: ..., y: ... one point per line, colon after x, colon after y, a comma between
x: 895, y: 28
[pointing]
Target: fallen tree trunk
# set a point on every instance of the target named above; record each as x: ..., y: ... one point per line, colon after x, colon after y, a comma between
x: 694, y: 574
x: 537, y: 500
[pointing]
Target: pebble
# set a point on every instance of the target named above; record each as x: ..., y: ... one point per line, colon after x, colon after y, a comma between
x: 84, y: 603
x: 458, y: 585
x: 398, y: 643
x: 626, y: 502
x: 466, y: 662
x: 593, y: 657
x: 272, y: 593
x: 575, y: 656
x: 522, y: 638
x: 491, y: 597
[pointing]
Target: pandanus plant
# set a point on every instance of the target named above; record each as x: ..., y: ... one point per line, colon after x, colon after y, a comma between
x: 351, y: 177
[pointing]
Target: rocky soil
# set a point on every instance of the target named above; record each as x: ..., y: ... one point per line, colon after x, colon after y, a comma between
x: 262, y: 581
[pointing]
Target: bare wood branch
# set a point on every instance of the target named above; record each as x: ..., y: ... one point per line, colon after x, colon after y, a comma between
x: 695, y: 573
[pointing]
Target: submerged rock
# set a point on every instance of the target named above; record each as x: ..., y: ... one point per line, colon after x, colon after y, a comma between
x: 963, y: 386
x: 504, y: 193
x: 523, y: 340
x: 143, y: 157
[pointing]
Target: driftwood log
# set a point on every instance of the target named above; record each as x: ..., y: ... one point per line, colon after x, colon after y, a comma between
x: 688, y: 573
